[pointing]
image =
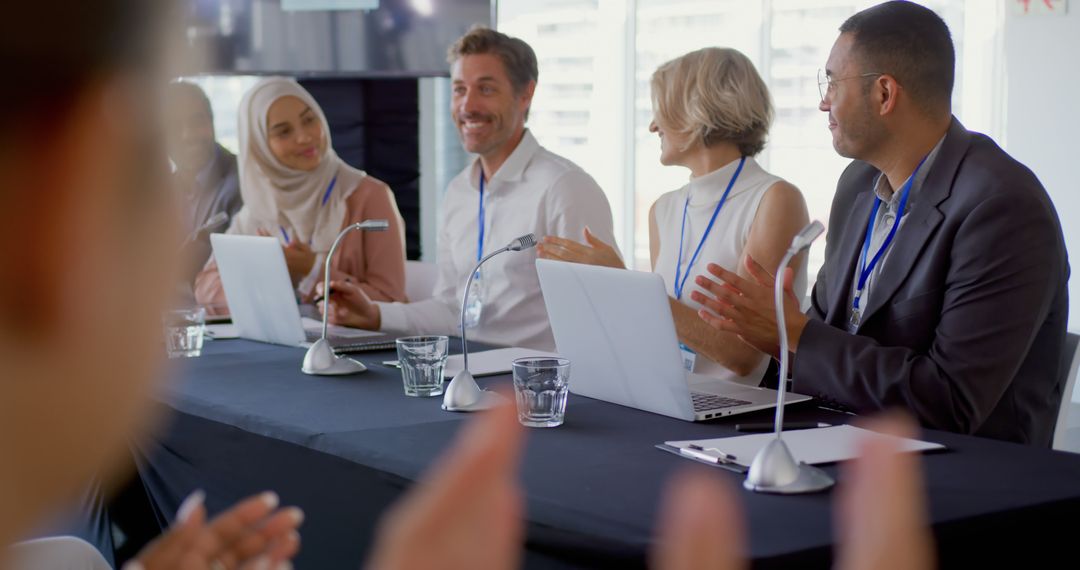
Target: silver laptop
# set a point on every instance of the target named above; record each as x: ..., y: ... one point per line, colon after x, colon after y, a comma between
x: 616, y: 328
x: 261, y: 298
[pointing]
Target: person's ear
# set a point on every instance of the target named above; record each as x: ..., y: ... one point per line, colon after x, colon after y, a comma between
x: 57, y: 175
x: 886, y: 94
x: 526, y: 96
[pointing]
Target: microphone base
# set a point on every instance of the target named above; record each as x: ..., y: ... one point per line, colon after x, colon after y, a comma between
x: 775, y: 471
x: 488, y: 399
x: 320, y: 360
x: 463, y: 394
x: 810, y: 479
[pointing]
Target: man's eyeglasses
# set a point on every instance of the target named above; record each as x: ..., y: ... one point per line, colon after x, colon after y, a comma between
x: 827, y: 85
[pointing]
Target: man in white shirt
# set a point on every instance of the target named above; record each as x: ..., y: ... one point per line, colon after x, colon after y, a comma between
x: 513, y: 187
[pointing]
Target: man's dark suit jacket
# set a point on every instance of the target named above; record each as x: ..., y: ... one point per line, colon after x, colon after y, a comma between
x: 218, y: 192
x: 965, y: 325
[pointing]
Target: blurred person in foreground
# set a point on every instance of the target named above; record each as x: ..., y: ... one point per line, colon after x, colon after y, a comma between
x: 89, y: 234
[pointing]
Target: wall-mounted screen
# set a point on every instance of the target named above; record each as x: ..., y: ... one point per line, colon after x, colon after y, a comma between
x: 330, y: 37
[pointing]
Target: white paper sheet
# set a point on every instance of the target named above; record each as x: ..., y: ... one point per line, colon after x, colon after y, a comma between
x: 813, y: 446
x: 496, y: 361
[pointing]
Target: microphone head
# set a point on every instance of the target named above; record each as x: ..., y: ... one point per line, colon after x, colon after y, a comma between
x: 374, y: 225
x: 806, y: 236
x: 214, y: 222
x: 524, y: 242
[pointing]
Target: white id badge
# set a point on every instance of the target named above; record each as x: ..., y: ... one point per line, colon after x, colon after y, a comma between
x: 474, y: 303
x: 689, y: 357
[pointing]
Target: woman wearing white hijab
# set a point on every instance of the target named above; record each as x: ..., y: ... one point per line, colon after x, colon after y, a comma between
x: 295, y: 187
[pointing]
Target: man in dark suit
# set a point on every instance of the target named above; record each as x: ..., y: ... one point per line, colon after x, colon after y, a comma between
x: 205, y: 172
x: 944, y: 284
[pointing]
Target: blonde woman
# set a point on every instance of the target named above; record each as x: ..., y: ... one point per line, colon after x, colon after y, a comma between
x: 296, y: 188
x: 712, y: 113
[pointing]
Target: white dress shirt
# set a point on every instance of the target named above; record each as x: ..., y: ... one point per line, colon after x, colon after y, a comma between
x: 534, y: 191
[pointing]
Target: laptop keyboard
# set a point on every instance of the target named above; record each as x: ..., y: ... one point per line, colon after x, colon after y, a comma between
x: 703, y: 402
x: 314, y: 335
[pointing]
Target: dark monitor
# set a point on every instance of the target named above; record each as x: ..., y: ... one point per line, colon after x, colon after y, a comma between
x: 395, y: 38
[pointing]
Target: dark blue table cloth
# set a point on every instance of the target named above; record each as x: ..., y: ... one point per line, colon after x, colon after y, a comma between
x: 244, y: 419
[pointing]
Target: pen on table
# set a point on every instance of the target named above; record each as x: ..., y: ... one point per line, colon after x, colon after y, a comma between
x: 698, y: 452
x: 319, y: 298
x: 770, y: 426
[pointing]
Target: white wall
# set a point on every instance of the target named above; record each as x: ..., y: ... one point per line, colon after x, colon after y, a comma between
x: 441, y: 158
x: 1043, y: 117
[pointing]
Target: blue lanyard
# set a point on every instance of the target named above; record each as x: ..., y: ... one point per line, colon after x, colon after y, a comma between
x: 680, y: 283
x: 865, y: 269
x: 326, y: 196
x: 480, y: 237
x: 329, y: 189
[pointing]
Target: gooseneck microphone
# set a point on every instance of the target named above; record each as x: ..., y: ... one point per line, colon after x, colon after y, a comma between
x: 320, y: 358
x: 213, y: 223
x: 801, y: 241
x: 523, y: 242
x: 463, y: 394
x: 774, y: 469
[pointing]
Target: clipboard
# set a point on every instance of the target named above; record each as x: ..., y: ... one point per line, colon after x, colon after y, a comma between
x: 733, y: 467
x: 816, y: 446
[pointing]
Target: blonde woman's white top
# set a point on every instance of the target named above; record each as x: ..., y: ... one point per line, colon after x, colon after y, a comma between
x: 725, y: 244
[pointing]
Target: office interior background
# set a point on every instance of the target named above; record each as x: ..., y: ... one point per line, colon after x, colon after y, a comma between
x: 1016, y: 71
x: 381, y: 78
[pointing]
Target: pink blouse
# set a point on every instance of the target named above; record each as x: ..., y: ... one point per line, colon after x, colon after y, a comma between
x: 373, y: 260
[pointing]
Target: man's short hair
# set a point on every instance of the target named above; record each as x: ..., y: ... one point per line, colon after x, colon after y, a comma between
x: 179, y: 90
x: 714, y: 95
x: 517, y: 57
x: 912, y: 44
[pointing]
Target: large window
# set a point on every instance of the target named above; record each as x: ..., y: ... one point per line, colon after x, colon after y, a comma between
x: 596, y: 58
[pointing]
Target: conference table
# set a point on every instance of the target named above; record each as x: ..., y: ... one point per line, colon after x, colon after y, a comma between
x: 245, y: 419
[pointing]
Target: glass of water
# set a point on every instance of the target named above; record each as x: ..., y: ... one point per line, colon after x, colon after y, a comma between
x: 540, y: 387
x: 422, y: 359
x: 184, y: 330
